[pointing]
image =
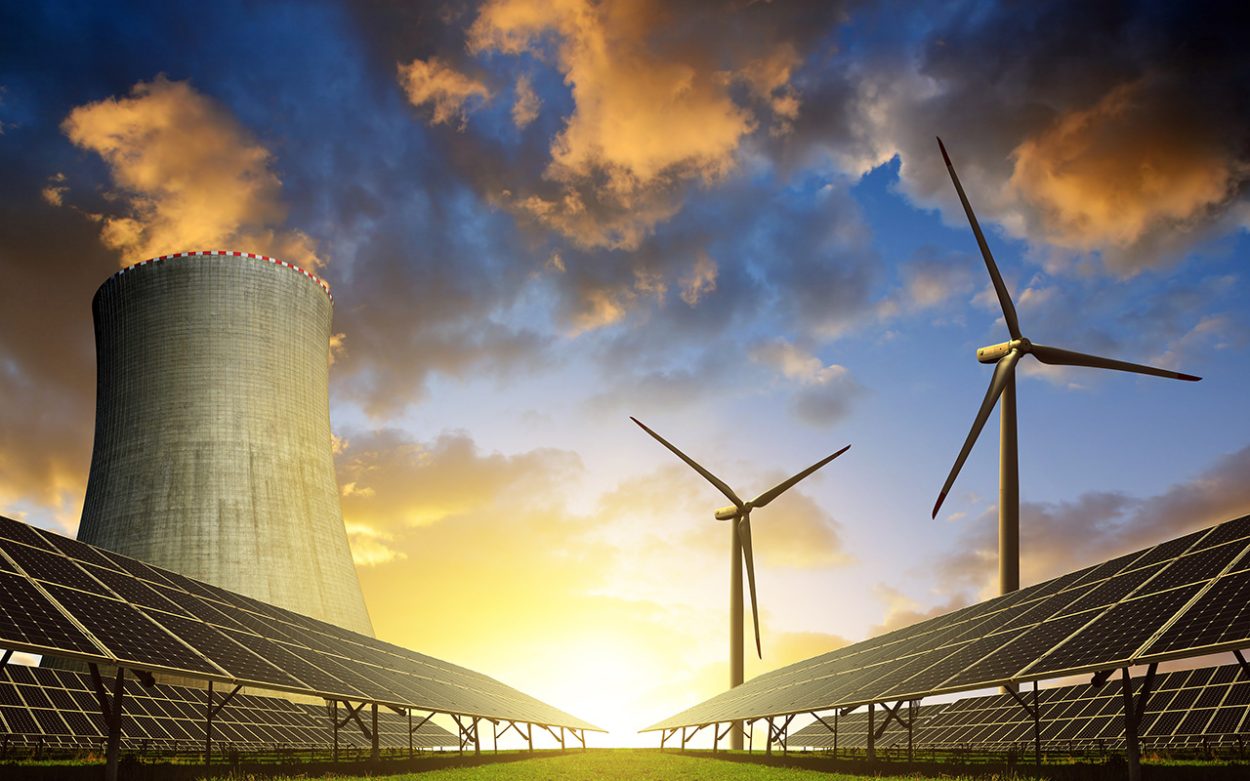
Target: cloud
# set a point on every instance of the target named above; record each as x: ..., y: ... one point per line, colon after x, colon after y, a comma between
x: 527, y: 104
x: 370, y: 547
x: 1110, y: 137
x: 825, y: 392
x: 931, y: 278
x: 188, y: 176
x: 654, y: 112
x: 1106, y: 523
x: 903, y: 611
x: 419, y: 484
x: 701, y: 280
x: 1141, y: 163
x: 54, y: 192
x: 448, y: 91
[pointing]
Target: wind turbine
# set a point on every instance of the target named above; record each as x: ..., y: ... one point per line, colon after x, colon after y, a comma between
x: 1005, y: 356
x: 740, y: 554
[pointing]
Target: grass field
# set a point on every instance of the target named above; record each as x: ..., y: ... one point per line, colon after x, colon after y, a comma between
x: 636, y: 764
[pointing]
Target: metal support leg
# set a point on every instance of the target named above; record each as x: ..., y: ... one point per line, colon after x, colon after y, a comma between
x: 768, y: 744
x: 872, y: 732
x: 334, y: 722
x: 374, y: 749
x: 529, y: 736
x: 1241, y: 660
x: 911, y: 724
x: 1037, y: 728
x: 112, y: 712
x: 1133, y: 713
x: 208, y: 726
x: 477, y: 740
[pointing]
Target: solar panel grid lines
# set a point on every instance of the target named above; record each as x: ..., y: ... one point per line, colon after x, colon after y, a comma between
x: 1186, y: 708
x: 53, y: 567
x: 134, y: 639
x: 173, y: 716
x: 226, y: 653
x: 31, y: 621
x: 1236, y: 529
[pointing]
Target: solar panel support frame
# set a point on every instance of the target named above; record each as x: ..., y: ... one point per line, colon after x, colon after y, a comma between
x: 210, y: 711
x: 412, y: 730
x: 1134, y: 710
x: 1241, y: 660
x: 112, y: 713
x: 374, y: 750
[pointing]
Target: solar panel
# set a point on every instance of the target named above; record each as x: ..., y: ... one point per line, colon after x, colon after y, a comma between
x: 70, y: 599
x: 1187, y: 707
x: 1168, y: 601
x: 129, y: 635
x: 59, y: 708
x: 29, y: 621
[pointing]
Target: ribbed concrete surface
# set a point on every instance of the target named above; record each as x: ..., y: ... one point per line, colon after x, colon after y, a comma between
x: 212, y: 443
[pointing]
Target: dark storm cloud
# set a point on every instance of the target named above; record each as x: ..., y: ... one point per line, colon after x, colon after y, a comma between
x: 1114, y: 128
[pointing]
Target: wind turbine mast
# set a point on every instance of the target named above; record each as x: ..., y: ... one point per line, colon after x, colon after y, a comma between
x: 741, y: 557
x: 1002, y: 389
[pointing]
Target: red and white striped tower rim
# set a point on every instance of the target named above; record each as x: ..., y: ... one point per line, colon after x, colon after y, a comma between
x: 229, y: 253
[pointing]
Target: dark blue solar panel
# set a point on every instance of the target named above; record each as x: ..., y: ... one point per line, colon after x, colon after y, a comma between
x: 128, y: 633
x: 1117, y: 633
x: 27, y: 618
x: 1221, y: 615
x: 51, y: 568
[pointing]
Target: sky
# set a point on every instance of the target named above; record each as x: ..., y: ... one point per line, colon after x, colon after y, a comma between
x: 728, y: 219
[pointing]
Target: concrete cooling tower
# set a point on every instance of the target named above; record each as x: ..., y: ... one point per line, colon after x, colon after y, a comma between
x: 212, y: 452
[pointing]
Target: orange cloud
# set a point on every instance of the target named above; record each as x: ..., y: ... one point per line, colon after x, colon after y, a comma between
x: 824, y: 393
x: 648, y: 117
x: 701, y: 280
x: 1132, y: 165
x: 188, y: 176
x: 449, y: 92
x: 525, y: 109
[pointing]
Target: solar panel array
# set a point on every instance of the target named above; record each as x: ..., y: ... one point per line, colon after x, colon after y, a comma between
x: 1185, y: 597
x: 58, y: 708
x: 1188, y: 707
x: 64, y: 598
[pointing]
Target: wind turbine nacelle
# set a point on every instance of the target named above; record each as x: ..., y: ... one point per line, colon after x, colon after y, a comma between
x: 727, y: 513
x: 995, y: 352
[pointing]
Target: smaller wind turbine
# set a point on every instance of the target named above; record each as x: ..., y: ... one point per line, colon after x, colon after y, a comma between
x: 1005, y: 356
x: 740, y: 513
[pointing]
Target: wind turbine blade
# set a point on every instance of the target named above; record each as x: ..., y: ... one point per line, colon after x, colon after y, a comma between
x: 1004, y: 299
x: 711, y: 478
x: 1057, y: 357
x: 781, y: 488
x: 744, y: 534
x: 1002, y: 372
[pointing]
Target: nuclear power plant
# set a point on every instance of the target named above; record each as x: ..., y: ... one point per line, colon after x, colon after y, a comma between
x: 212, y: 453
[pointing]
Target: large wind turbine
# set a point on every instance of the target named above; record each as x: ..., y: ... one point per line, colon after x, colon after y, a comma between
x: 1005, y: 356
x: 740, y: 554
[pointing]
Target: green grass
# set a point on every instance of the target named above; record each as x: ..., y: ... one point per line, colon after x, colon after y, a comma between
x: 634, y: 764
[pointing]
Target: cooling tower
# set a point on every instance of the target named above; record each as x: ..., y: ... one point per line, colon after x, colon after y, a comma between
x: 212, y: 452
